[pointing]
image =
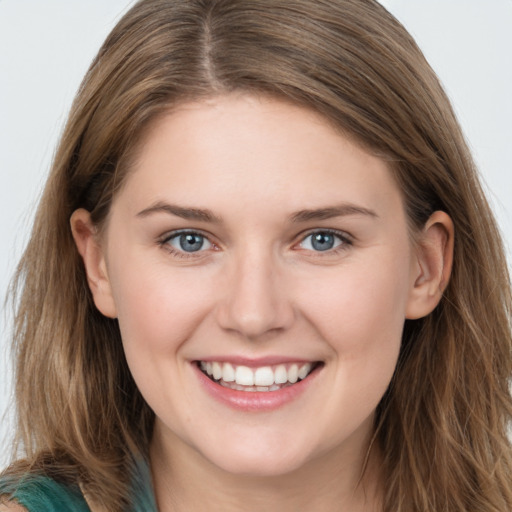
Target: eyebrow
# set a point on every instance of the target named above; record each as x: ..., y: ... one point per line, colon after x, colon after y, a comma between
x: 342, y: 210
x: 205, y: 215
x: 198, y: 214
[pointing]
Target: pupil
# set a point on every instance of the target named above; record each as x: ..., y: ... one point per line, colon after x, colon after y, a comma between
x: 322, y: 241
x: 191, y: 243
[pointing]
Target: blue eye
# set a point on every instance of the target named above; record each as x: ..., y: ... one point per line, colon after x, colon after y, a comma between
x: 189, y: 242
x: 321, y: 241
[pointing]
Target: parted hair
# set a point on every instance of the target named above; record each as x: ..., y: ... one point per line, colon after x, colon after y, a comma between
x: 442, y: 424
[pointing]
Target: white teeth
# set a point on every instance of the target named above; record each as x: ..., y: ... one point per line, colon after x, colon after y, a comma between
x: 293, y: 374
x: 217, y: 371
x: 264, y: 378
x: 244, y: 376
x: 281, y: 375
x: 228, y: 373
x: 304, y: 370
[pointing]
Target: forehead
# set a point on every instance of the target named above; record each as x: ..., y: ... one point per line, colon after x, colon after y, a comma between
x: 247, y: 148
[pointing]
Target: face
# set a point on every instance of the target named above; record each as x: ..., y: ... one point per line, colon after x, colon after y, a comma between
x: 261, y: 270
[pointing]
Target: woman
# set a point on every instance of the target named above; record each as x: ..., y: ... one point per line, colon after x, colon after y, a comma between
x: 263, y: 275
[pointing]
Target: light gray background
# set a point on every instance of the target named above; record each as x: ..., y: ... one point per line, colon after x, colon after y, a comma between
x: 47, y: 45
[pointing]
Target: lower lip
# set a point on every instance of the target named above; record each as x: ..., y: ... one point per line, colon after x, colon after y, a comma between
x: 256, y: 401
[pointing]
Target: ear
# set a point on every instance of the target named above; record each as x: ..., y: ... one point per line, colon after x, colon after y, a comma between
x: 89, y: 247
x: 434, y: 258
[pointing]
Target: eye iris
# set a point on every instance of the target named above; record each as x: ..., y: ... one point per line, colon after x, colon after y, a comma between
x: 322, y: 241
x: 190, y: 242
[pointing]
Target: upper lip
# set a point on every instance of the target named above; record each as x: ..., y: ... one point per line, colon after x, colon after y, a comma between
x: 257, y: 362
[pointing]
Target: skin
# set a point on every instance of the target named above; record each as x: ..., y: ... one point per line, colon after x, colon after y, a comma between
x: 11, y: 507
x: 259, y: 288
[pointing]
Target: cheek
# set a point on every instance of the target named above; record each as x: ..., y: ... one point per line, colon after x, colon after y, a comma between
x: 361, y: 316
x: 360, y: 306
x: 158, y: 311
x: 361, y: 313
x: 157, y: 308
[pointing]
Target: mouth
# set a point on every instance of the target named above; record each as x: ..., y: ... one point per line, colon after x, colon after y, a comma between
x: 269, y: 378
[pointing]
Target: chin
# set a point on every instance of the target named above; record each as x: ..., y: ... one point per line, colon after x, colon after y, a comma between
x: 259, y: 462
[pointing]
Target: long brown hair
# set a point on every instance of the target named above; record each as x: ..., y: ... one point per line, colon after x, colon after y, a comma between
x: 442, y: 425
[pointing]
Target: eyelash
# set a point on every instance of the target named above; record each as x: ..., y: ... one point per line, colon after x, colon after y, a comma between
x: 164, y: 243
x: 344, y: 238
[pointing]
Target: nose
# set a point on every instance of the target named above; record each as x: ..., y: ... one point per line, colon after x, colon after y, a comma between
x: 255, y: 299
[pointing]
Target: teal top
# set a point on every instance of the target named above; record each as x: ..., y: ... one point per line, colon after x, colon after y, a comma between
x: 42, y: 494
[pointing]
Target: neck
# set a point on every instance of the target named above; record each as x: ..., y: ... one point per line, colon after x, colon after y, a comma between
x: 185, y: 481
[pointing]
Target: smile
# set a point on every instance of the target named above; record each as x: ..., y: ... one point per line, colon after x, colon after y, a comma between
x: 264, y: 378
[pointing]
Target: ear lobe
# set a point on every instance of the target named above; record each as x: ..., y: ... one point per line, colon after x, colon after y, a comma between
x: 86, y: 240
x: 434, y: 255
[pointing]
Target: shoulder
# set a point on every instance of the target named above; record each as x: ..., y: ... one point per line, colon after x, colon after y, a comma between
x: 12, y: 506
x: 34, y: 493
